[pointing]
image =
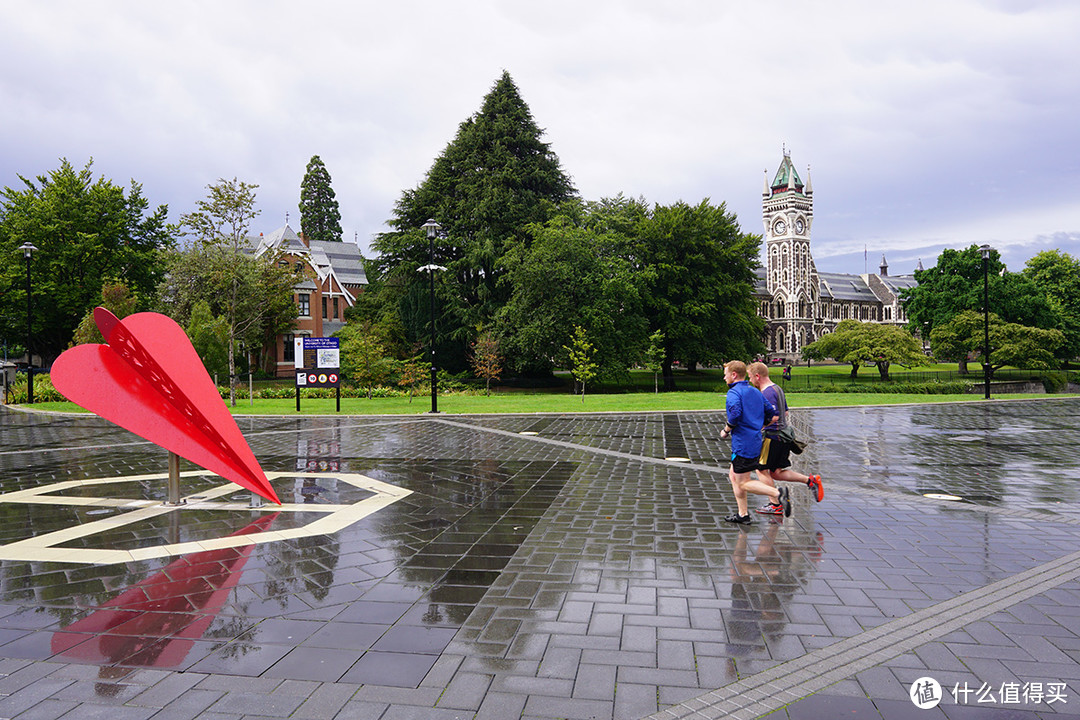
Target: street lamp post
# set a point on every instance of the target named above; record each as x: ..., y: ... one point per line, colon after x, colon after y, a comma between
x: 986, y: 318
x: 27, y: 249
x: 432, y: 229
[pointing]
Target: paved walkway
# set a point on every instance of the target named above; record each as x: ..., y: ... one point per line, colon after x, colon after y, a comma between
x: 557, y: 566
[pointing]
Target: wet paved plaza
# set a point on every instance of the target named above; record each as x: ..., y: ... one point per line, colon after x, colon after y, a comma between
x: 546, y: 566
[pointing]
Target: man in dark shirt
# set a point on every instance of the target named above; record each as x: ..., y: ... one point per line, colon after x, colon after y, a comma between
x: 747, y: 412
x: 775, y: 464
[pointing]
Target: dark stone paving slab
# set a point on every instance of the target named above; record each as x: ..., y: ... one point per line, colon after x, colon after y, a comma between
x: 573, y: 571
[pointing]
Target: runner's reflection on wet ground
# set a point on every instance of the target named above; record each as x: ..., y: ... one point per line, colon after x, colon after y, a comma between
x: 767, y: 572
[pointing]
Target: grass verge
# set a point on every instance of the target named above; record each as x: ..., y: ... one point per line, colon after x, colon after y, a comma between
x: 512, y: 403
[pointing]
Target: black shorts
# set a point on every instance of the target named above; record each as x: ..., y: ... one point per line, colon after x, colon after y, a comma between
x: 776, y: 456
x: 741, y: 465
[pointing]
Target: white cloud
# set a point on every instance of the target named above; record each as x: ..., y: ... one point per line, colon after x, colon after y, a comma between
x: 921, y: 120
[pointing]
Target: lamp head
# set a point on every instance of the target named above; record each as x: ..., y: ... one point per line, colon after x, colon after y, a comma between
x: 27, y: 248
x: 431, y: 227
x: 985, y: 252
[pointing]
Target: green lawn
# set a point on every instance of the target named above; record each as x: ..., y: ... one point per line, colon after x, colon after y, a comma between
x: 562, y: 403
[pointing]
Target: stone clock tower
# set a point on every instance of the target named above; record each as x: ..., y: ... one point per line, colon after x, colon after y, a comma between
x: 791, y: 279
x: 798, y: 303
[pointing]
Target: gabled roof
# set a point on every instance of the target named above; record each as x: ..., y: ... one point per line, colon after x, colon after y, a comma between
x: 896, y: 283
x: 340, y: 259
x: 344, y: 258
x: 284, y: 238
x: 841, y: 286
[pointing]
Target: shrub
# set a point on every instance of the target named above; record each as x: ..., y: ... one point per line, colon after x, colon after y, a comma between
x: 952, y: 387
x: 43, y: 389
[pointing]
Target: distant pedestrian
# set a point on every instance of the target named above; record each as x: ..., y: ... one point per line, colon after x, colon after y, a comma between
x: 787, y: 372
x: 775, y: 462
x: 747, y: 412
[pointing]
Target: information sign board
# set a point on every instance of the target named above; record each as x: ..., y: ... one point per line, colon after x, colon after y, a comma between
x: 318, y: 362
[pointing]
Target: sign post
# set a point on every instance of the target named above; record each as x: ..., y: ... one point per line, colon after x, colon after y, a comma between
x: 318, y: 365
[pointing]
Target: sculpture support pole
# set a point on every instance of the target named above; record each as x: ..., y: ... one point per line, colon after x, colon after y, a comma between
x: 174, y: 479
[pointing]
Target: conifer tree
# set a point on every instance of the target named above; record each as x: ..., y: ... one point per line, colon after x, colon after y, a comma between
x: 320, y: 217
x: 495, y: 178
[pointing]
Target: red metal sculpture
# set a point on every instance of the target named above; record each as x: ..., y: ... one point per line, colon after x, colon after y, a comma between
x: 148, y: 379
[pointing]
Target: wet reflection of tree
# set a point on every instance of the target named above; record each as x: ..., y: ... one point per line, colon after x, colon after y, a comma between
x: 300, y: 565
x: 462, y: 524
x: 63, y: 591
x: 766, y: 573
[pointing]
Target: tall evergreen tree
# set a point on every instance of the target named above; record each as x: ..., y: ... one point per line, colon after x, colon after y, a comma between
x: 320, y: 217
x: 495, y: 178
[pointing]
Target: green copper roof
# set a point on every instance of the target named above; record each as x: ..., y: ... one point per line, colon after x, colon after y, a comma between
x: 786, y: 171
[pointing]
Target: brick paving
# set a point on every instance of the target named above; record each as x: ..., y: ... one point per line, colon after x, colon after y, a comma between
x: 579, y: 570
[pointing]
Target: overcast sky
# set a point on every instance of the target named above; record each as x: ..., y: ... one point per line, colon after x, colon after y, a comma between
x: 925, y: 124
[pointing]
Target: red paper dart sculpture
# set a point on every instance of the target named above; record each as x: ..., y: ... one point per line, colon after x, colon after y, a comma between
x: 148, y: 379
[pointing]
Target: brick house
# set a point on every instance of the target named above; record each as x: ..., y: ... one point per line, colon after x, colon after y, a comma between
x: 329, y: 278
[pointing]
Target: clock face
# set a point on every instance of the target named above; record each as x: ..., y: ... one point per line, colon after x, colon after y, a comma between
x: 800, y: 226
x: 780, y: 227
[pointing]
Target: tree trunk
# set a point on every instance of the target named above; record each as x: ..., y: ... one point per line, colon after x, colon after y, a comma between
x: 232, y: 367
x: 854, y: 370
x: 963, y: 366
x: 669, y: 376
x: 883, y: 370
x: 691, y: 366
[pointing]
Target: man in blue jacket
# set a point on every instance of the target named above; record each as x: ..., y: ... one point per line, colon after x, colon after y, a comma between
x: 747, y: 413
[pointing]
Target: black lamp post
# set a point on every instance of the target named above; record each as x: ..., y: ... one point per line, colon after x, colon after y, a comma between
x: 27, y: 249
x: 986, y: 318
x: 432, y: 229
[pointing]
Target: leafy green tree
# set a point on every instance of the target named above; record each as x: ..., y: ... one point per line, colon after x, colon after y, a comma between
x: 412, y: 373
x: 117, y: 298
x: 573, y: 271
x: 88, y: 233
x: 581, y: 354
x: 696, y: 269
x: 485, y: 358
x: 320, y: 217
x: 955, y: 284
x: 1057, y: 274
x: 223, y: 218
x: 654, y: 357
x: 494, y: 179
x: 1010, y: 343
x: 209, y: 336
x: 364, y: 362
x: 254, y: 295
x: 868, y: 343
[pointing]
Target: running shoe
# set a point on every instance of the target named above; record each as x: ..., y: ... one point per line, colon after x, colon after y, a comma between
x: 814, y: 483
x: 771, y: 509
x: 785, y: 501
x: 739, y: 519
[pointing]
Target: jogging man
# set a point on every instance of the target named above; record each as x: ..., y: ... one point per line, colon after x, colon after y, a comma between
x: 777, y: 463
x: 747, y: 411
